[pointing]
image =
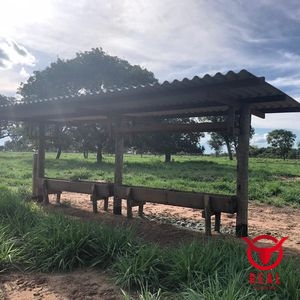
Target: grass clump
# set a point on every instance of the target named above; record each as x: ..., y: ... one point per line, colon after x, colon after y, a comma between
x: 63, y: 244
x: 10, y: 253
x: 142, y: 267
x: 53, y: 242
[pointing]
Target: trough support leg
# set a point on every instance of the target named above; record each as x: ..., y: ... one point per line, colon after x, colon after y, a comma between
x: 207, y: 215
x: 58, y: 196
x: 129, y: 203
x: 141, y: 210
x: 129, y: 208
x: 217, y: 221
x: 105, y: 206
x: 94, y: 199
x: 242, y: 171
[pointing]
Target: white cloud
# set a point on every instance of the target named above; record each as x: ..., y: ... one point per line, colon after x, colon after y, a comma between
x: 172, y: 38
x: 259, y: 139
x: 24, y: 73
x: 289, y: 121
x: 11, y: 53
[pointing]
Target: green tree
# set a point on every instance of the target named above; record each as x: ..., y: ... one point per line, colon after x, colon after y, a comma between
x: 170, y: 143
x: 216, y: 143
x: 4, y: 125
x: 281, y: 141
x: 218, y: 140
x: 89, y: 71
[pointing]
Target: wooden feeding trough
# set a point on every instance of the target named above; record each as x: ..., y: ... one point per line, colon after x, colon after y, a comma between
x: 235, y: 96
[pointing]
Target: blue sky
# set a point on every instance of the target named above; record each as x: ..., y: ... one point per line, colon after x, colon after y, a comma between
x: 172, y: 38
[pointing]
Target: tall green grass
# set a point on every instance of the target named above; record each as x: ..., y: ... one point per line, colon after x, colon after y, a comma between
x: 214, y: 270
x: 52, y: 242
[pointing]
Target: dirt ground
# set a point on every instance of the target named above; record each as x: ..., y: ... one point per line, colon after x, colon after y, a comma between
x: 92, y: 284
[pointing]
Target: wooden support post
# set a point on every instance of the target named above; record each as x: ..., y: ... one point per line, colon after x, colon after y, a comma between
x: 119, y: 145
x: 105, y: 206
x: 207, y: 215
x: 41, y: 158
x: 94, y: 199
x: 45, y: 192
x: 217, y: 221
x: 141, y: 210
x: 242, y: 171
x: 34, y: 176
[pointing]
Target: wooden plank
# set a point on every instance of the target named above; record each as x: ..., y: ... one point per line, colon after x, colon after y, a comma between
x: 85, y: 187
x: 242, y: 172
x: 219, y: 203
x: 141, y: 195
x: 201, y: 127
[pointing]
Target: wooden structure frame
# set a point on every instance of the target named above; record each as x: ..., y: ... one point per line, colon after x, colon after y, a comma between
x: 235, y: 96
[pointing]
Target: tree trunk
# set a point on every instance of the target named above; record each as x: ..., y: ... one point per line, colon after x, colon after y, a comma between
x: 99, y: 154
x: 58, y: 152
x: 228, y: 146
x: 167, y: 157
x: 86, y: 153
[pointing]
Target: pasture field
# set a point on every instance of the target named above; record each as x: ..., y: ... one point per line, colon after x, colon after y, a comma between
x: 272, y: 181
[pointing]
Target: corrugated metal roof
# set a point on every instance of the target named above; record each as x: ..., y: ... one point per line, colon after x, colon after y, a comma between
x: 197, y: 96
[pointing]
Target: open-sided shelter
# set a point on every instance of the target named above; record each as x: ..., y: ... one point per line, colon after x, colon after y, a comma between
x: 236, y: 96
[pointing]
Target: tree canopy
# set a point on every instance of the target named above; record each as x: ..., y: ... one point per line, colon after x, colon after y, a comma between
x: 281, y: 141
x: 170, y: 143
x: 218, y: 140
x: 88, y: 71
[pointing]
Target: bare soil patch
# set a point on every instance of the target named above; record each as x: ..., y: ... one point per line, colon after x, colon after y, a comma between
x: 81, y: 284
x: 92, y: 284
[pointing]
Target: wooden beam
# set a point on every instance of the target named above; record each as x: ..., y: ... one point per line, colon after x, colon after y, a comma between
x: 119, y: 148
x: 242, y: 171
x: 195, y: 127
x: 103, y: 190
x: 258, y: 113
x: 195, y: 111
x: 218, y: 203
